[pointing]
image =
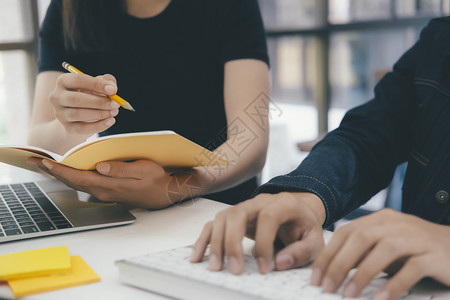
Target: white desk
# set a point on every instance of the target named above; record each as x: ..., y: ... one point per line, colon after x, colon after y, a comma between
x: 153, y: 231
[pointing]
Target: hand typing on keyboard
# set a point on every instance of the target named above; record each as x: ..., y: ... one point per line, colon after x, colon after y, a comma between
x: 408, y: 246
x: 294, y: 219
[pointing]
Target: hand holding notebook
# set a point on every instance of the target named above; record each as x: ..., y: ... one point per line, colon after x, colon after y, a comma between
x: 166, y: 148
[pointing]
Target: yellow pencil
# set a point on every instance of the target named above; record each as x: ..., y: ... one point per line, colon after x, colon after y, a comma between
x: 122, y: 102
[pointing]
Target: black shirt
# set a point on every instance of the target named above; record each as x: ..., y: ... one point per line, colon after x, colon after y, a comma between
x: 169, y: 67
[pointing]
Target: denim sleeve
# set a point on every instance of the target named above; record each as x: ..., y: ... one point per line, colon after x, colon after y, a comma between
x: 357, y: 160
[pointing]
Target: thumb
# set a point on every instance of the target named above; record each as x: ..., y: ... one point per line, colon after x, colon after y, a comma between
x: 300, y: 252
x: 137, y: 169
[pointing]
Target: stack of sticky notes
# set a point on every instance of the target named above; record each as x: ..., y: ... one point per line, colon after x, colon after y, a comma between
x: 41, y: 270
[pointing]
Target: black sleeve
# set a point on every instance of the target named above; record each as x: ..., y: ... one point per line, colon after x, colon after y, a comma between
x: 51, y: 41
x: 244, y: 35
x: 357, y: 160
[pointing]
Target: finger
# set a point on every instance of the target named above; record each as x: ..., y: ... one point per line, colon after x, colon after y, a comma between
x: 77, y: 99
x: 201, y: 244
x: 63, y: 171
x: 324, y: 258
x: 35, y: 161
x: 404, y: 279
x: 269, y: 221
x: 85, y: 128
x: 383, y: 255
x: 91, y: 182
x: 87, y: 115
x: 302, y: 252
x: 136, y: 170
x: 236, y: 221
x: 73, y: 178
x: 88, y: 83
x: 205, y: 237
x: 346, y: 258
x: 108, y: 77
x: 216, y: 242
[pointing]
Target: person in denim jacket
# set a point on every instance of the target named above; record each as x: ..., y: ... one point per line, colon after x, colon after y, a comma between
x: 408, y: 120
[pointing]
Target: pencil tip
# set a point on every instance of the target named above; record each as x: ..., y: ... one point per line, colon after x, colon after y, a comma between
x: 128, y: 106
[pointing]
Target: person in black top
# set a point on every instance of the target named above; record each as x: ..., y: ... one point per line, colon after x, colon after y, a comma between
x: 198, y: 67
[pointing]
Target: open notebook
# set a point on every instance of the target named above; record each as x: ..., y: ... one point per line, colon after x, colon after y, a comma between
x: 170, y: 273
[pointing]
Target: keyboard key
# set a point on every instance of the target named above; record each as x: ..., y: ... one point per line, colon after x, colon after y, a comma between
x: 9, y: 227
x: 64, y: 225
x: 41, y: 220
x: 59, y: 220
x: 38, y: 216
x: 7, y: 223
x: 46, y: 204
x: 6, y: 218
x: 45, y: 226
x: 54, y: 214
x: 30, y: 229
x: 35, y: 210
x: 13, y: 232
x: 26, y: 223
x: 18, y: 211
x: 22, y: 217
x: 15, y: 206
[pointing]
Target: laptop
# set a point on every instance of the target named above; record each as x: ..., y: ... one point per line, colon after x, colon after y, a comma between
x: 43, y: 208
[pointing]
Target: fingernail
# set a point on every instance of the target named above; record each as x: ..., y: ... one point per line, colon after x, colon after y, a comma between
x: 351, y: 290
x: 284, y: 261
x: 110, y: 122
x: 328, y: 285
x: 193, y: 256
x: 384, y: 295
x: 103, y: 167
x: 234, y: 265
x: 262, y: 266
x: 214, y: 264
x: 47, y: 164
x: 114, y: 112
x: 316, y: 276
x: 110, y: 89
x: 114, y: 104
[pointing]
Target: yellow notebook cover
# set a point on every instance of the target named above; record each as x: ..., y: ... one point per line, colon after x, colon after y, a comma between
x: 166, y: 148
x: 80, y: 274
x: 34, y: 263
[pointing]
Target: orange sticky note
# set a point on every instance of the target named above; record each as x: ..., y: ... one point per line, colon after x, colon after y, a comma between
x: 81, y: 273
x: 33, y: 263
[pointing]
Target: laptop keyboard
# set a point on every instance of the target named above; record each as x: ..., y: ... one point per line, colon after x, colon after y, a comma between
x: 25, y: 209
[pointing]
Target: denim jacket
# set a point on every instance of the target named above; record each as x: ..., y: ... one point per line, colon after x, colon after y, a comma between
x: 408, y: 120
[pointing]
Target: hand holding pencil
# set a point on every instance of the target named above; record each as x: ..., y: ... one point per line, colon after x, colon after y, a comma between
x: 114, y: 97
x: 82, y: 103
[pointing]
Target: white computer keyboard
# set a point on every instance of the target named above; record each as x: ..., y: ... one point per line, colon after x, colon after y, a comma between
x: 291, y: 284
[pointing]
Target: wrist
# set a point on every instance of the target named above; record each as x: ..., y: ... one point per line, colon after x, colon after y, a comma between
x: 183, y: 186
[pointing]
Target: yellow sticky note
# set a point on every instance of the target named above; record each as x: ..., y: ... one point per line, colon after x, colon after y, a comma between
x: 80, y: 274
x: 31, y: 263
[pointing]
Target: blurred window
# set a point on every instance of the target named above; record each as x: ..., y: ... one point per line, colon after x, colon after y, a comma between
x: 331, y: 53
x: 359, y: 59
x: 18, y: 51
x: 326, y: 57
x: 289, y: 14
